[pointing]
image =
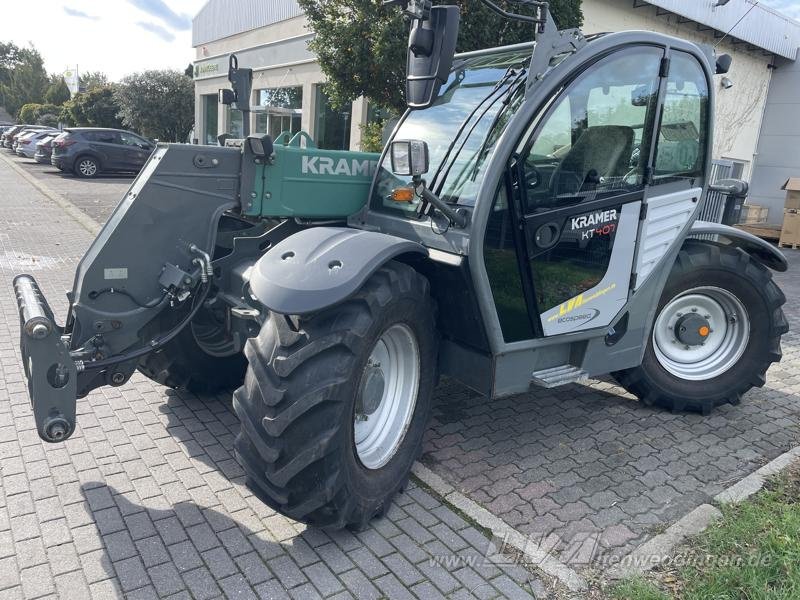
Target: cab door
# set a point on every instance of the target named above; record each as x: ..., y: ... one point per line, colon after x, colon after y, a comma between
x: 579, y: 179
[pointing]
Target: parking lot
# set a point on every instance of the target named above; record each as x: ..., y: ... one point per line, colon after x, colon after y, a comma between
x: 146, y: 500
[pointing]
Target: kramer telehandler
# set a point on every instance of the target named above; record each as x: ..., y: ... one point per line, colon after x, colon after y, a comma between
x: 532, y: 221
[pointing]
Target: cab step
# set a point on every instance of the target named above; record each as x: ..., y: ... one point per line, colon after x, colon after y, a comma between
x: 561, y: 375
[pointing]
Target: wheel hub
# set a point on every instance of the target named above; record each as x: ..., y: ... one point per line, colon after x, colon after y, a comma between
x: 373, y: 383
x: 692, y: 329
x: 701, y: 333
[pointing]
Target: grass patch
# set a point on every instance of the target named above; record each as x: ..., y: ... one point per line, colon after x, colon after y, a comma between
x: 752, y: 553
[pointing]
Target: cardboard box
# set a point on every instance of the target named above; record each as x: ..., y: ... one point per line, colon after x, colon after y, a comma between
x: 790, y: 232
x: 753, y: 213
x: 792, y: 187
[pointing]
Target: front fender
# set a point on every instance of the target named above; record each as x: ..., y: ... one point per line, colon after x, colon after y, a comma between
x: 321, y: 266
x: 762, y: 251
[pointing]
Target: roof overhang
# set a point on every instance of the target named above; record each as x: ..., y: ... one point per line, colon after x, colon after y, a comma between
x: 749, y: 23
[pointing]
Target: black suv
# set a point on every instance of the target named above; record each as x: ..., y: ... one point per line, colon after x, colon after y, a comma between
x: 89, y: 151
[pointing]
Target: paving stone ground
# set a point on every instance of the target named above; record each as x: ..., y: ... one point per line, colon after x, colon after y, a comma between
x: 591, y: 472
x: 146, y: 499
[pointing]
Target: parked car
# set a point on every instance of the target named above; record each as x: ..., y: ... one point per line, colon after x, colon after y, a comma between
x: 26, y: 145
x: 89, y: 151
x: 10, y: 136
x: 44, y: 148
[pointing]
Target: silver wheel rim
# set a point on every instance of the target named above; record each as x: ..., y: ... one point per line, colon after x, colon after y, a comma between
x: 729, y: 326
x: 87, y: 167
x: 387, y: 396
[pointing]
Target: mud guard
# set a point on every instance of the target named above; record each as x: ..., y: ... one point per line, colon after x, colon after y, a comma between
x: 762, y: 251
x: 319, y: 267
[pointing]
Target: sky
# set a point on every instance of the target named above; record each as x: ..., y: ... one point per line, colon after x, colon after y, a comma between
x: 116, y: 37
x: 119, y: 37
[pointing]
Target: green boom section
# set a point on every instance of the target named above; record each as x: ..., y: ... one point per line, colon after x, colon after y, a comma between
x: 311, y: 183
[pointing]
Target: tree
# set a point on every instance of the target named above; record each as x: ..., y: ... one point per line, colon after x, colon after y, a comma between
x: 57, y: 93
x: 91, y: 80
x: 361, y: 45
x: 25, y: 79
x: 96, y: 108
x: 158, y: 104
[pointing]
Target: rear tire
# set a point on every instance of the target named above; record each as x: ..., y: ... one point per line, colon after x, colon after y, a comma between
x: 306, y: 382
x: 738, y: 280
x: 183, y: 364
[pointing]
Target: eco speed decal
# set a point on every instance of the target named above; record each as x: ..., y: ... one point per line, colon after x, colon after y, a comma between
x: 602, y: 222
x: 573, y: 310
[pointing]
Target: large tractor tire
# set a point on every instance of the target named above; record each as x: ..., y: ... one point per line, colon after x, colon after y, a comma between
x: 199, y: 359
x: 335, y: 404
x: 717, y: 330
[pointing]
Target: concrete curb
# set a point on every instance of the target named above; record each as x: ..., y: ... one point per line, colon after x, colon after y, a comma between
x: 542, y: 559
x: 657, y: 549
x: 84, y: 220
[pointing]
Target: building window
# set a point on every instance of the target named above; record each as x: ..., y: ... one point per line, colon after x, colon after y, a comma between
x: 283, y: 110
x: 332, y: 127
x: 210, y: 119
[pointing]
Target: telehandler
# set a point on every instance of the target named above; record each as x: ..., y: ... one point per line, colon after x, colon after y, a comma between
x: 531, y: 222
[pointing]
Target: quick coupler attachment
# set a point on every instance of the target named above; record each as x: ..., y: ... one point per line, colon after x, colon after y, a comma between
x: 52, y: 374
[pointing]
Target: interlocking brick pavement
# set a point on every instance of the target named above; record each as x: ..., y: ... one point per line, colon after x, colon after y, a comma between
x: 146, y: 500
x: 580, y: 463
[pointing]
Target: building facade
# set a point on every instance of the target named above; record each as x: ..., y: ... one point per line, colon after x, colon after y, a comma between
x: 272, y: 38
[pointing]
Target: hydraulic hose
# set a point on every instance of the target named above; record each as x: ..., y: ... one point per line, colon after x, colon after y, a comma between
x: 155, y: 343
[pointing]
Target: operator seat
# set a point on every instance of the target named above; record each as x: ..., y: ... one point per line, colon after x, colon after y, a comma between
x: 601, y: 151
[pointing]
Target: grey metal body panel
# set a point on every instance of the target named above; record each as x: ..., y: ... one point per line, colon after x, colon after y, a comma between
x: 667, y: 216
x: 763, y: 251
x: 171, y: 205
x: 777, y: 158
x: 321, y: 266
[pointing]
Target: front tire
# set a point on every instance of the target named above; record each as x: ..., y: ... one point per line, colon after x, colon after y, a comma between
x: 314, y: 383
x: 731, y: 299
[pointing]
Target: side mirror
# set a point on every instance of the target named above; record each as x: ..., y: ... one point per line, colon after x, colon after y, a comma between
x: 409, y: 158
x: 431, y: 47
x: 227, y: 97
x: 260, y: 146
x: 640, y: 95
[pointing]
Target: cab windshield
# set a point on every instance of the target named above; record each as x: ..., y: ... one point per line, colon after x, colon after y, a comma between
x: 461, y: 128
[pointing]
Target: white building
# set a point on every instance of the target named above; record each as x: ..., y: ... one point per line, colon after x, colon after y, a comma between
x: 272, y: 37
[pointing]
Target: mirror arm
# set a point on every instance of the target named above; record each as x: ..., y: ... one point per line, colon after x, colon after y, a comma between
x: 458, y: 218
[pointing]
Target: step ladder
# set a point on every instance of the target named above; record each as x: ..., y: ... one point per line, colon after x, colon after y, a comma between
x: 561, y: 375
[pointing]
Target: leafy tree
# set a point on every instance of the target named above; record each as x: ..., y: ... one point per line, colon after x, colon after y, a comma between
x: 25, y: 79
x: 57, y: 93
x: 91, y: 80
x: 159, y: 104
x: 361, y: 45
x: 96, y: 108
x: 32, y: 112
x: 48, y: 120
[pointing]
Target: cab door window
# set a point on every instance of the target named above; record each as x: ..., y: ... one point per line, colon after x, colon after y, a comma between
x: 590, y: 144
x: 683, y: 132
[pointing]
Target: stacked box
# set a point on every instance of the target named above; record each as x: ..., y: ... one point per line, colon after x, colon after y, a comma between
x: 753, y: 214
x: 790, y: 232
